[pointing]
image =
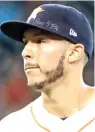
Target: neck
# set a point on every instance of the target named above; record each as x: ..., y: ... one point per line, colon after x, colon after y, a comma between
x: 66, y: 97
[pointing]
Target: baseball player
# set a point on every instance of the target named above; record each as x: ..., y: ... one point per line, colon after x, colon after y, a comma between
x: 58, y: 42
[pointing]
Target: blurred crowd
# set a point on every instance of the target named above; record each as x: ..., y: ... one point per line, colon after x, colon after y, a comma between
x: 14, y: 93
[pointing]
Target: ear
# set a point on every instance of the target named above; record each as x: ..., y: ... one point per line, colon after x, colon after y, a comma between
x: 77, y: 52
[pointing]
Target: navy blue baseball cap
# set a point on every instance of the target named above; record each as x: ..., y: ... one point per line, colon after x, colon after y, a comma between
x: 62, y: 20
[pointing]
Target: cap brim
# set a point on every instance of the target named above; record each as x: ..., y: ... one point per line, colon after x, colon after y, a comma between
x: 15, y: 29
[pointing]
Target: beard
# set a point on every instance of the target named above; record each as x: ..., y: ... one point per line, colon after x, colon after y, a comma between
x: 52, y: 76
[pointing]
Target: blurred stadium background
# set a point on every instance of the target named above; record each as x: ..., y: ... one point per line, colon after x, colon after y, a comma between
x: 14, y: 93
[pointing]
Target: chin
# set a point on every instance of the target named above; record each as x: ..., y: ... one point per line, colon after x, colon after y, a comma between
x: 37, y: 85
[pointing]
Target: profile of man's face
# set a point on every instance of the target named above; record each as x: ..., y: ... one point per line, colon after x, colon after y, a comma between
x: 43, y: 57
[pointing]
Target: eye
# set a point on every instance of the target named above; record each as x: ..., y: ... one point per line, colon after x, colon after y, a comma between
x: 39, y: 41
x: 25, y: 41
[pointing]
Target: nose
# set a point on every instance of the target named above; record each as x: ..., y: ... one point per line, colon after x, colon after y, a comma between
x: 30, y: 50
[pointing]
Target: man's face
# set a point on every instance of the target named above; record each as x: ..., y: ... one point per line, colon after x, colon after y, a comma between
x: 43, y: 57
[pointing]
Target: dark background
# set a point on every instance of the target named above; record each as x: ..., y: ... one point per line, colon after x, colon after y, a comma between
x: 14, y: 93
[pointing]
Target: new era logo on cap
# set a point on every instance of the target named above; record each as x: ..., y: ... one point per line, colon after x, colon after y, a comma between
x: 72, y: 33
x: 58, y: 19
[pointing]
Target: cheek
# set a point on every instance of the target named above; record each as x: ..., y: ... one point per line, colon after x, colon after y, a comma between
x: 49, y: 58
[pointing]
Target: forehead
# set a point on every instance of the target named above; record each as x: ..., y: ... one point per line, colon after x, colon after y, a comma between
x: 34, y: 32
x: 31, y: 31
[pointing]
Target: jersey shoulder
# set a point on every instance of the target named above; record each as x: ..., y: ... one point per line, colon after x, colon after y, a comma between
x: 17, y: 119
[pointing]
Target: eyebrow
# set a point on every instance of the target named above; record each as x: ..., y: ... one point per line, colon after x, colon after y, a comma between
x: 38, y: 34
x: 44, y: 34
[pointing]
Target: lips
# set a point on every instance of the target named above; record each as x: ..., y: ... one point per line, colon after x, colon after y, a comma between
x: 30, y: 66
x: 26, y: 68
